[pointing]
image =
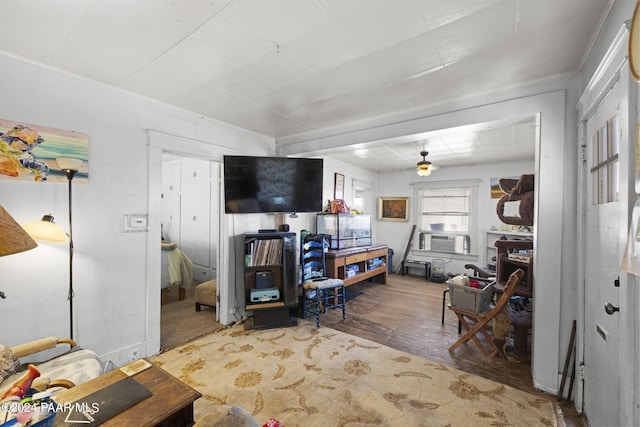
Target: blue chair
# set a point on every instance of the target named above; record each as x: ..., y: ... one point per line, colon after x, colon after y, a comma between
x: 319, y: 292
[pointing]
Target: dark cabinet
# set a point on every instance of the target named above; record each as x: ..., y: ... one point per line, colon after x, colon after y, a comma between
x: 270, y: 276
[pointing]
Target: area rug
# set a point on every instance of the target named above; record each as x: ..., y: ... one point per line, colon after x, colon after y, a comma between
x: 305, y: 376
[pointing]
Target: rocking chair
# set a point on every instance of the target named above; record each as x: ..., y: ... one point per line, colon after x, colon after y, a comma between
x: 479, y: 321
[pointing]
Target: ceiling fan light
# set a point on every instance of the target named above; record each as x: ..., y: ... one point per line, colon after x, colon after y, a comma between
x: 423, y: 170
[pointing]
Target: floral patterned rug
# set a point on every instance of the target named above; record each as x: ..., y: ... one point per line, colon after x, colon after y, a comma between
x: 305, y: 376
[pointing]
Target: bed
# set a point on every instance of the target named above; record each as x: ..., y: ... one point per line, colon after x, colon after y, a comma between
x: 177, y: 270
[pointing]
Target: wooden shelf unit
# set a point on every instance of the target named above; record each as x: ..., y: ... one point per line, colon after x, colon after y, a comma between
x: 490, y: 237
x: 277, y: 257
x: 339, y: 260
x: 506, y: 266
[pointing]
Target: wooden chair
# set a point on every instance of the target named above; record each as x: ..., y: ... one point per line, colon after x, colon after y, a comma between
x: 320, y: 292
x: 479, y: 321
x: 481, y: 271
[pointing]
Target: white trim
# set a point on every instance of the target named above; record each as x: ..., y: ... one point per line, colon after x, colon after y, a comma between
x: 183, y: 146
x: 596, y: 33
x: 605, y: 76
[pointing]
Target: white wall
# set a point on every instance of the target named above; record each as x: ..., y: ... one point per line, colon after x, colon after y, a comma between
x: 398, y: 184
x: 117, y: 302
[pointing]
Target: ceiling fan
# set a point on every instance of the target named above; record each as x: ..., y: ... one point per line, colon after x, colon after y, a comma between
x: 425, y: 167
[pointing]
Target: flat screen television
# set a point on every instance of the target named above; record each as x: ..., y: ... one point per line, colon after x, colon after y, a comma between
x: 255, y: 184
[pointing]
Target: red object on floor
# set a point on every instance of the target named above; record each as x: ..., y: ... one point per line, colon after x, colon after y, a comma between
x: 272, y: 423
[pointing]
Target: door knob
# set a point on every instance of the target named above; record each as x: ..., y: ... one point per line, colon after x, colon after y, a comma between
x: 610, y: 308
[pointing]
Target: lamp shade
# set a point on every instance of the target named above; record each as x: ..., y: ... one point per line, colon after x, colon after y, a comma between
x: 69, y: 163
x: 13, y: 238
x: 46, y: 230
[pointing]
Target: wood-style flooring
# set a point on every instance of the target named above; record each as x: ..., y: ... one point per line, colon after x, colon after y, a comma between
x: 405, y: 314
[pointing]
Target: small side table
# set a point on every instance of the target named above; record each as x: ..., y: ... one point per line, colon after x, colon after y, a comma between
x: 407, y: 263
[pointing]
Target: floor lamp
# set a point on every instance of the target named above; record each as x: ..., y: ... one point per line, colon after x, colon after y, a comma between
x: 70, y: 167
x: 48, y: 230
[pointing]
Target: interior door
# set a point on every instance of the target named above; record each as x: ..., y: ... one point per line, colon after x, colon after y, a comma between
x: 605, y: 228
x: 171, y: 217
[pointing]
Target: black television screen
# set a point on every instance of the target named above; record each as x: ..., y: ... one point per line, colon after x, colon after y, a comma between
x: 272, y: 184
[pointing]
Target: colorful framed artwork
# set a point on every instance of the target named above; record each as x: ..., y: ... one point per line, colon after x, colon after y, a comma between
x: 33, y: 153
x: 393, y: 209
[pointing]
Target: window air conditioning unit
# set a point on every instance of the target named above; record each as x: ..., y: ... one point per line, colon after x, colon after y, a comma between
x: 443, y: 243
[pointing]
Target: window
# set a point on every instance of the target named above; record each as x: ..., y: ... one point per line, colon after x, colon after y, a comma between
x: 444, y: 212
x: 605, y: 145
x: 445, y: 209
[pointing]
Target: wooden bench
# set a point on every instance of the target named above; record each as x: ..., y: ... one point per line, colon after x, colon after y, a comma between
x: 413, y: 263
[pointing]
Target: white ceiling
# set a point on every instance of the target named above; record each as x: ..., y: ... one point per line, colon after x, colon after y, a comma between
x: 285, y: 67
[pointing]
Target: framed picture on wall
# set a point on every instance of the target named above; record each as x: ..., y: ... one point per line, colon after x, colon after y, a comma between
x: 393, y: 209
x: 338, y: 189
x: 38, y: 153
x: 496, y: 191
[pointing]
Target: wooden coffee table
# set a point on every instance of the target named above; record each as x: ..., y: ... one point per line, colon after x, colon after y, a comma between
x: 170, y: 403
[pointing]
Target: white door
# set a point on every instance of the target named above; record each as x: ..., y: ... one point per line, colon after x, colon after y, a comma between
x: 605, y: 226
x: 196, y: 222
x: 170, y: 226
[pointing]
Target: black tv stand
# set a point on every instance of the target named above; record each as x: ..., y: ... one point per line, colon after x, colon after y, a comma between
x: 273, y: 253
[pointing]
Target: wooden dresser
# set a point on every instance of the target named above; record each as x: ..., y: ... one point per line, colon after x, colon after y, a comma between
x: 357, y: 264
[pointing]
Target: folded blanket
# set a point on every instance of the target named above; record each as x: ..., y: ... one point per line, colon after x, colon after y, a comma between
x: 167, y: 246
x: 177, y: 269
x: 77, y: 366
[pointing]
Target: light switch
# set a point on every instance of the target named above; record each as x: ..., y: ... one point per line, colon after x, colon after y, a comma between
x: 135, y: 222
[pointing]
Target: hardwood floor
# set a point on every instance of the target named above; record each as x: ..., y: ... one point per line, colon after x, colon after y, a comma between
x: 406, y: 314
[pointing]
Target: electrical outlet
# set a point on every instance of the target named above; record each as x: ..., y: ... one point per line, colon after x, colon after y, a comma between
x: 134, y: 355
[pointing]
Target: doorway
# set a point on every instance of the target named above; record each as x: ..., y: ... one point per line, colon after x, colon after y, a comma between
x: 190, y: 218
x: 159, y: 143
x: 363, y: 196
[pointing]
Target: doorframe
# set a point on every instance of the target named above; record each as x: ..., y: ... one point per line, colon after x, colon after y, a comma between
x: 367, y: 186
x: 613, y: 69
x: 157, y: 143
